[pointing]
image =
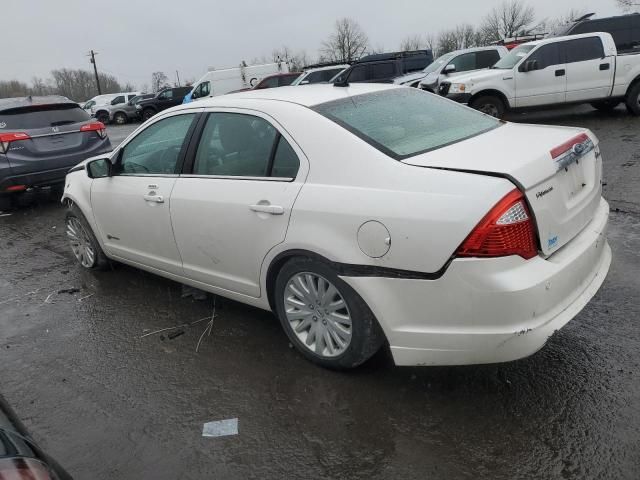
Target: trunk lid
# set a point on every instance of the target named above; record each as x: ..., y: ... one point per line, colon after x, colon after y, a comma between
x: 562, y: 187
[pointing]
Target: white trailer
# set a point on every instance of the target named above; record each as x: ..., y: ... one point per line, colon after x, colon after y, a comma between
x: 220, y: 81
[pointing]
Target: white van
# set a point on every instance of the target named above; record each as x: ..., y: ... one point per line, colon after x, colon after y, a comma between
x: 225, y: 80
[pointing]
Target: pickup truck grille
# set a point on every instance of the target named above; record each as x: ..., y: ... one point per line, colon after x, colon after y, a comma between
x: 443, y: 89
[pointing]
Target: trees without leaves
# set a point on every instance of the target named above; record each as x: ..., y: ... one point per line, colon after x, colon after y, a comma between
x: 507, y: 20
x: 347, y: 43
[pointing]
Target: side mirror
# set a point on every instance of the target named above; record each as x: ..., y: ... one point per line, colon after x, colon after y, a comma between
x: 449, y: 69
x: 99, y: 168
x: 530, y: 65
x: 304, y: 82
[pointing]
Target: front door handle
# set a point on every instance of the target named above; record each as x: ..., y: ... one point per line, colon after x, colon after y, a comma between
x: 604, y: 66
x: 154, y: 198
x: 271, y: 209
x: 560, y: 73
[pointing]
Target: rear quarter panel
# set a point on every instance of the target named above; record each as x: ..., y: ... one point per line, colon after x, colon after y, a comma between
x: 627, y: 71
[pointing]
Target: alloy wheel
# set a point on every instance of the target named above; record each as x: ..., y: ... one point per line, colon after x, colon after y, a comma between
x: 80, y: 243
x: 318, y: 314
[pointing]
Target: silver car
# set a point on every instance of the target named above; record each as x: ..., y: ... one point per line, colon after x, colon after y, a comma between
x: 125, y: 112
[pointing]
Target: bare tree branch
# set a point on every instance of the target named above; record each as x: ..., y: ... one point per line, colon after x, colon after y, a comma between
x: 512, y: 18
x: 347, y: 43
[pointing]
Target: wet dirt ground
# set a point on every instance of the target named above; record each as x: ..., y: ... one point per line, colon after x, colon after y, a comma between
x: 110, y: 404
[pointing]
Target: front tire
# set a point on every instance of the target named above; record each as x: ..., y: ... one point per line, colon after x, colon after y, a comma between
x: 490, y: 105
x: 632, y: 100
x: 120, y: 118
x: 324, y: 318
x: 147, y: 114
x: 84, y: 245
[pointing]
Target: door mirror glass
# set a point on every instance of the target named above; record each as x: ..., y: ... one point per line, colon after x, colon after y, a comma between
x: 99, y: 168
x: 449, y: 69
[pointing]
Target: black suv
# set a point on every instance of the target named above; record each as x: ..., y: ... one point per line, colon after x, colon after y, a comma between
x: 625, y: 30
x: 41, y: 138
x: 169, y: 97
x: 385, y: 67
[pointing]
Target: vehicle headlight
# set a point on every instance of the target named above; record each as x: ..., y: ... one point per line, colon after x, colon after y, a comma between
x: 138, y: 107
x: 458, y: 88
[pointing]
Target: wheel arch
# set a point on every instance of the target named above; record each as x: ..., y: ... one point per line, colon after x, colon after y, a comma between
x: 632, y: 84
x: 491, y: 93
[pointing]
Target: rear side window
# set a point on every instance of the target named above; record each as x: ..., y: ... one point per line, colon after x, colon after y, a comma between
x: 270, y: 82
x: 286, y: 80
x: 583, y: 49
x: 41, y: 116
x: 358, y: 74
x: 486, y: 58
x: 382, y: 71
x: 285, y: 160
x: 404, y: 122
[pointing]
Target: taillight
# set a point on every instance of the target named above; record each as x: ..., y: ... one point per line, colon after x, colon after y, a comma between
x: 7, y: 137
x: 23, y: 469
x: 97, y: 127
x: 506, y: 230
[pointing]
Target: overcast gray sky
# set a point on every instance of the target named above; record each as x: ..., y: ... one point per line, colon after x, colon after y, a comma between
x: 137, y: 37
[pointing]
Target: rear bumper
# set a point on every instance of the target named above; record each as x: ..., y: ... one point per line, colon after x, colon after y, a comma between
x: 489, y: 310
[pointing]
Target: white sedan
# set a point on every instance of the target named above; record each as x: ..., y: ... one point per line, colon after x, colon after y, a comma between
x: 361, y: 216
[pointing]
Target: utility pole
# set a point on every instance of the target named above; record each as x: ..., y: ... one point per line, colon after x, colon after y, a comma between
x: 95, y: 70
x: 178, y: 77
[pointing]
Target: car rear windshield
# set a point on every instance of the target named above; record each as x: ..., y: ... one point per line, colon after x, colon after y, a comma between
x: 405, y: 122
x: 41, y: 116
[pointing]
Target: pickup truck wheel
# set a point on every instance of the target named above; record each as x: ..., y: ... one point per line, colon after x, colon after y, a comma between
x: 103, y: 117
x: 633, y: 99
x: 148, y: 113
x: 605, y: 105
x: 490, y: 105
x: 120, y: 118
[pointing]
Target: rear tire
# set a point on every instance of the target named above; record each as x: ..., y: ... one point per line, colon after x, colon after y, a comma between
x: 120, y: 118
x: 334, y: 309
x: 605, y: 105
x: 84, y: 245
x: 632, y: 100
x: 147, y: 114
x: 490, y: 105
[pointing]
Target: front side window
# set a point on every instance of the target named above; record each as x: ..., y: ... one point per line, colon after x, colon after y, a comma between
x: 583, y: 49
x: 547, y: 55
x: 358, y: 74
x: 407, y: 121
x: 119, y: 99
x: 205, y: 89
x: 156, y: 149
x: 239, y: 145
x: 166, y: 95
x: 464, y: 62
x: 382, y: 71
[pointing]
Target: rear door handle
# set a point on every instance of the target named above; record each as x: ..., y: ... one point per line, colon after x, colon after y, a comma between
x: 604, y: 66
x: 560, y: 73
x: 154, y: 198
x: 271, y: 209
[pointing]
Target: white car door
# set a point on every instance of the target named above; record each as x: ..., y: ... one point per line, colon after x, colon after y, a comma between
x: 131, y: 208
x: 235, y: 205
x: 544, y: 85
x: 589, y: 72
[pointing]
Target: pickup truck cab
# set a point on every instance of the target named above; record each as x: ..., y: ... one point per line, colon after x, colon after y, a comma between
x: 554, y: 71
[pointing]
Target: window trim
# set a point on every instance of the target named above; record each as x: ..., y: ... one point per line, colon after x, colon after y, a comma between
x: 117, y: 158
x: 194, y: 142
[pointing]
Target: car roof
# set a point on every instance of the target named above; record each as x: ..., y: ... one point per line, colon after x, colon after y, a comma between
x: 560, y: 39
x: 17, y: 102
x: 308, y: 96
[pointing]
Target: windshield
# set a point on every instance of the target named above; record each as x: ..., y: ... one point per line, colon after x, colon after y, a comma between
x: 404, y: 122
x: 438, y: 63
x: 513, y: 57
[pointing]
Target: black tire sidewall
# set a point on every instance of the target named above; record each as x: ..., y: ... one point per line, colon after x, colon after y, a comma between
x: 366, y: 334
x: 633, y: 99
x: 117, y: 117
x: 489, y: 100
x: 147, y: 114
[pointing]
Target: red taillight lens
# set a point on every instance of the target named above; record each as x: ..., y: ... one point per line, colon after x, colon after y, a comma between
x: 506, y: 230
x: 7, y: 137
x: 568, y: 145
x: 15, y: 188
x: 23, y: 469
x: 97, y: 127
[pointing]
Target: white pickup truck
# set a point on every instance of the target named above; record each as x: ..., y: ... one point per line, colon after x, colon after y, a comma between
x: 553, y: 71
